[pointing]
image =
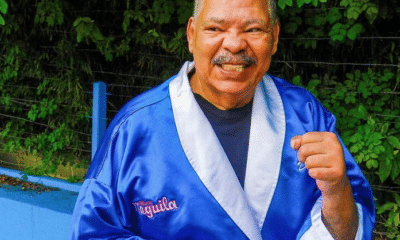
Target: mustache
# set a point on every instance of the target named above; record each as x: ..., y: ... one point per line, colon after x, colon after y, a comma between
x: 238, y: 58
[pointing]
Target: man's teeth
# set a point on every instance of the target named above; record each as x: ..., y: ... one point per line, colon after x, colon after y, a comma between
x: 230, y: 67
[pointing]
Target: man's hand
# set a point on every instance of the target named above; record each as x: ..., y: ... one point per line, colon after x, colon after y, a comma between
x: 322, y: 154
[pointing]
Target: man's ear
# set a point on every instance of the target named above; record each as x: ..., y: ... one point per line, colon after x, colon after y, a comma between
x: 190, y: 33
x: 276, y: 37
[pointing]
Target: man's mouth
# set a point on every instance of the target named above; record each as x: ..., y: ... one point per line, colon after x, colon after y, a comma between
x: 234, y: 63
x: 233, y: 67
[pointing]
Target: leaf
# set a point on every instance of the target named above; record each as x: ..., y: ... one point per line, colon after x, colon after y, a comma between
x: 371, y: 121
x: 369, y: 164
x: 385, y: 207
x: 313, y: 83
x: 314, y: 44
x: 338, y: 38
x: 297, y: 81
x: 375, y: 163
x: 385, y: 128
x: 350, y: 76
x: 289, y: 2
x: 2, y: 22
x: 355, y: 30
x: 337, y: 26
x: 396, y: 219
x: 282, y: 4
x: 396, y: 198
x: 354, y: 149
x: 153, y: 32
x: 300, y: 3
x: 394, y: 142
x: 358, y: 27
x: 97, y: 34
x: 395, y: 170
x: 362, y: 112
x: 372, y: 13
x: 351, y: 34
x: 3, y: 7
x: 384, y: 170
x: 355, y: 138
x: 333, y: 15
x: 374, y: 155
x: 79, y: 37
x: 315, y: 3
x: 77, y: 21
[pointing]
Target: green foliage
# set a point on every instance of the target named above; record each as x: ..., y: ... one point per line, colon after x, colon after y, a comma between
x: 341, y: 26
x: 356, y: 7
x: 3, y: 10
x: 283, y: 3
x: 49, y: 11
x: 358, y: 103
x: 391, y: 210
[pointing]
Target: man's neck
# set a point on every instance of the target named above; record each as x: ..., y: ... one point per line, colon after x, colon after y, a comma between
x: 223, y: 101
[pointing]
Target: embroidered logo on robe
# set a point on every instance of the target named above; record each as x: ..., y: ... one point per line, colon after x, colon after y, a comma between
x: 149, y: 209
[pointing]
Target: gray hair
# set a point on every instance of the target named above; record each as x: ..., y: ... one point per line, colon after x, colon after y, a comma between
x: 271, y: 7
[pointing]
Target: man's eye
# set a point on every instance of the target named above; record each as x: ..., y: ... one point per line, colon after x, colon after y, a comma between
x: 254, y: 30
x: 213, y: 29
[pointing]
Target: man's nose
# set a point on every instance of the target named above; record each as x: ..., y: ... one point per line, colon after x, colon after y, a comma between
x: 234, y: 42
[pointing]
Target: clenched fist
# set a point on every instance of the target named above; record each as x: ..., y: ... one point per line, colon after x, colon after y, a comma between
x: 322, y: 154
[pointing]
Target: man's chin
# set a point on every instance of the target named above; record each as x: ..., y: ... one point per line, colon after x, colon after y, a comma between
x: 232, y: 87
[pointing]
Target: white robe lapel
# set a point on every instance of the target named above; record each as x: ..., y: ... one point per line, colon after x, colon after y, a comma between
x: 208, y: 159
x: 267, y: 135
x: 207, y: 156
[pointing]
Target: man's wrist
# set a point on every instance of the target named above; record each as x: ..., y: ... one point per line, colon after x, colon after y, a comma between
x: 339, y: 212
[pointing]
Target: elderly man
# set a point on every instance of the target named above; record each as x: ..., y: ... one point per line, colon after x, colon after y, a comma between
x: 224, y: 151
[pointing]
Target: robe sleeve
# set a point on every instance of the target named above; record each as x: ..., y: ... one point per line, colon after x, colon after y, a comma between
x: 313, y: 228
x: 100, y: 212
x: 316, y: 229
x: 96, y: 215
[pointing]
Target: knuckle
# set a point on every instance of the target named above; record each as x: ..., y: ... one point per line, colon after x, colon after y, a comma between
x: 314, y: 173
x: 302, y: 151
x: 331, y: 136
x: 338, y: 173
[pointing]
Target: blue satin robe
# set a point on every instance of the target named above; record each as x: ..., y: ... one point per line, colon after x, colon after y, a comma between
x: 160, y: 172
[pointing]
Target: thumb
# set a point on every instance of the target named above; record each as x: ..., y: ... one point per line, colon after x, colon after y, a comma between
x: 295, y: 143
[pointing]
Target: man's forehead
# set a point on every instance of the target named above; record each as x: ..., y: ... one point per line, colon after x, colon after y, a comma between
x: 221, y: 10
x: 230, y: 2
x: 224, y: 21
x: 222, y: 4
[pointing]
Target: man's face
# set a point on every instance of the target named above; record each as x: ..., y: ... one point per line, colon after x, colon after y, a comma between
x: 232, y: 43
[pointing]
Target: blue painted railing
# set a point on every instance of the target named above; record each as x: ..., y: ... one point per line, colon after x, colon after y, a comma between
x: 99, y: 115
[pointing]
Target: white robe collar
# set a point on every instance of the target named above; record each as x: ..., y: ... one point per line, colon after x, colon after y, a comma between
x: 246, y: 208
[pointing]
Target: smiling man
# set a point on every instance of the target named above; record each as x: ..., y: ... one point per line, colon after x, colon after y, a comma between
x: 222, y: 150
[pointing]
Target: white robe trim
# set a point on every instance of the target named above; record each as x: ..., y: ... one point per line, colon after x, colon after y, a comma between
x: 318, y: 231
x: 246, y: 208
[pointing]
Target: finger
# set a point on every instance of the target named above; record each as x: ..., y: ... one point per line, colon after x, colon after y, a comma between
x: 322, y: 174
x: 295, y: 142
x: 311, y: 137
x: 317, y: 161
x: 309, y: 149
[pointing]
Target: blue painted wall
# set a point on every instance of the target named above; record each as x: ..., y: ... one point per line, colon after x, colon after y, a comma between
x: 28, y: 215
